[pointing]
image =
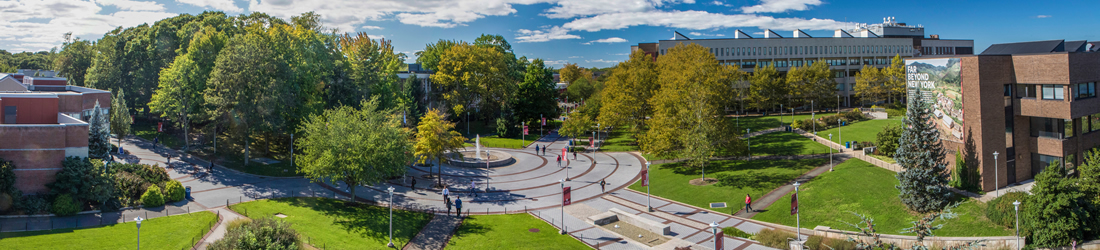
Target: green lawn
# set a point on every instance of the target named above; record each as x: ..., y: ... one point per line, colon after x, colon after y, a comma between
x: 757, y: 123
x: 736, y: 179
x: 510, y: 231
x: 172, y: 232
x: 884, y: 158
x: 858, y: 186
x: 785, y: 143
x: 859, y: 131
x: 337, y: 224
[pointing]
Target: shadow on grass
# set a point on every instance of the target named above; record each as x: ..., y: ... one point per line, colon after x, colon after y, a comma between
x: 780, y: 143
x: 470, y: 226
x: 358, y: 218
x: 738, y: 165
x: 754, y: 179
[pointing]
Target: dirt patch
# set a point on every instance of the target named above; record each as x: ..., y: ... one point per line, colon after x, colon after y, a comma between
x: 702, y: 182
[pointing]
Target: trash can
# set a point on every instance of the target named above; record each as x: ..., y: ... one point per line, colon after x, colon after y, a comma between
x: 843, y: 123
x: 847, y: 144
x: 188, y: 191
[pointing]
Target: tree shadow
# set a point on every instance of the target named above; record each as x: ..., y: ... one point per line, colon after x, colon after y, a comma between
x: 362, y: 219
x: 753, y: 179
x: 779, y: 143
x: 737, y: 165
x: 470, y: 226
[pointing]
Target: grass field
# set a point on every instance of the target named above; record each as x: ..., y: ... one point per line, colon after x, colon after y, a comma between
x: 858, y: 186
x: 859, y: 131
x: 757, y: 123
x: 736, y: 179
x: 884, y: 158
x: 785, y: 143
x: 336, y: 224
x: 510, y: 231
x: 172, y: 232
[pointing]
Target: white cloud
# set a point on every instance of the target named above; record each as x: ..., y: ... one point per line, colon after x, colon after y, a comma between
x: 697, y: 20
x: 608, y: 40
x: 225, y: 5
x: 773, y: 6
x: 554, y: 33
x: 620, y: 54
x: 133, y: 5
x: 372, y: 37
x: 576, y: 8
x: 601, y: 61
x: 346, y: 15
x: 705, y: 34
x: 369, y: 27
x: 720, y: 3
x: 576, y: 57
x: 1043, y: 16
x: 38, y: 25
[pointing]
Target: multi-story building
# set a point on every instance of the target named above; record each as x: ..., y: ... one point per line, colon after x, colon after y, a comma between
x: 846, y: 51
x: 1016, y: 108
x: 40, y: 125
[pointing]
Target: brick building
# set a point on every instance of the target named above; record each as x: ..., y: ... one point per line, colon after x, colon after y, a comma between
x: 1033, y: 103
x: 41, y: 124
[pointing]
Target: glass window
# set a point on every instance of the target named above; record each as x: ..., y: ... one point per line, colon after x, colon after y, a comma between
x: 1094, y: 122
x: 1008, y: 90
x: 1025, y: 91
x: 1053, y: 92
x: 9, y: 114
x: 1039, y: 162
x: 1068, y: 128
x: 1047, y: 127
x: 1085, y: 90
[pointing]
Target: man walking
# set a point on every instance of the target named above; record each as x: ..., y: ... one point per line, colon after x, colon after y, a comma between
x: 748, y: 204
x: 536, y: 149
x: 473, y: 187
x: 603, y: 182
x: 448, y: 202
x: 574, y: 154
x: 543, y: 150
x: 414, y: 184
x: 458, y: 207
x: 559, y: 161
x: 446, y: 192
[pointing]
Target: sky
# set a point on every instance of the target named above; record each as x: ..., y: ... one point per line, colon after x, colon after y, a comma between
x: 590, y: 33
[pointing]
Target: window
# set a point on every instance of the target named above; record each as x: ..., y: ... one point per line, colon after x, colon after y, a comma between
x: 9, y: 114
x: 1047, y: 127
x: 1085, y: 90
x: 1025, y: 91
x: 1053, y: 92
x: 1093, y: 122
x: 1008, y: 90
x: 1039, y: 162
x: 1068, y: 128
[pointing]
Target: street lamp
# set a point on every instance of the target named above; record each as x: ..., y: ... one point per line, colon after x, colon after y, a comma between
x: 1016, y: 205
x: 714, y: 229
x: 839, y: 135
x: 996, y: 175
x: 812, y: 112
x: 390, y: 190
x: 780, y: 113
x: 138, y: 220
x: 647, y: 203
x: 562, y: 231
x: 797, y: 217
x: 831, y: 153
x: 748, y: 139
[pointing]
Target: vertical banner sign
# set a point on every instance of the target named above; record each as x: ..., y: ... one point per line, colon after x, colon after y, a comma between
x: 160, y: 127
x: 544, y: 121
x: 940, y: 82
x: 645, y: 177
x: 591, y: 143
x: 794, y: 204
x: 719, y: 240
x: 565, y: 199
x: 524, y: 129
x: 563, y: 155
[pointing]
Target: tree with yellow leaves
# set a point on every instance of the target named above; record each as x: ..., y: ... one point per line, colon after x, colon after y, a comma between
x: 870, y: 84
x: 435, y: 137
x: 627, y: 92
x: 469, y: 75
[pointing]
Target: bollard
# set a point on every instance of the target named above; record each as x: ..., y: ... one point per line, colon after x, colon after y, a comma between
x: 146, y: 213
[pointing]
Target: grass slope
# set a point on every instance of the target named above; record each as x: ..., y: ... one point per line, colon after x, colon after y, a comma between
x: 859, y: 131
x: 858, y: 186
x: 337, y: 224
x: 510, y: 231
x: 757, y: 123
x: 736, y: 179
x: 172, y: 232
x: 785, y: 143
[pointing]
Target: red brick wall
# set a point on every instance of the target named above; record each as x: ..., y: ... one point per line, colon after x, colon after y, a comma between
x: 33, y: 81
x: 46, y: 161
x: 33, y: 110
x: 70, y: 103
x: 90, y: 99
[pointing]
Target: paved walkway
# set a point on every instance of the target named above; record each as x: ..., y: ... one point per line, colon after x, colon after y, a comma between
x: 436, y: 234
x: 219, y: 231
x: 759, y: 203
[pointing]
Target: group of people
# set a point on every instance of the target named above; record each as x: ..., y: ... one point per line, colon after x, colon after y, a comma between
x: 457, y: 203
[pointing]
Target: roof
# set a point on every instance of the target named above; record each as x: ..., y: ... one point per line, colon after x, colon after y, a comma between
x: 1076, y: 46
x: 9, y: 84
x: 1035, y: 47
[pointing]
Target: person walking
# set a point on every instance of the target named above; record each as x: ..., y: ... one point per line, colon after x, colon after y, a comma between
x: 473, y: 187
x: 414, y: 183
x: 458, y: 207
x: 536, y: 149
x: 544, y: 150
x: 603, y: 182
x: 748, y: 204
x: 574, y: 154
x: 446, y: 192
x: 448, y: 202
x: 559, y: 161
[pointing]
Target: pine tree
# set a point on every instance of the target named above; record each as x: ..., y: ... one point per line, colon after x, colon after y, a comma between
x: 98, y: 134
x: 923, y: 183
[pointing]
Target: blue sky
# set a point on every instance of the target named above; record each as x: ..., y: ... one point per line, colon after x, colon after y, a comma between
x: 591, y: 33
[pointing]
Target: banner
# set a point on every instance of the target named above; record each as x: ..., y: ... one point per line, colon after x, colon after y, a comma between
x: 794, y: 203
x: 160, y: 127
x: 544, y: 121
x: 524, y: 129
x: 563, y: 154
x: 940, y: 82
x: 645, y: 177
x: 565, y: 196
x: 719, y: 240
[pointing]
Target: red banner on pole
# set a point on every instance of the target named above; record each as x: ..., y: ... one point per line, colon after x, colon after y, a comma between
x: 524, y: 129
x: 565, y: 196
x: 719, y: 240
x: 544, y: 121
x: 563, y: 154
x: 794, y: 203
x: 160, y: 127
x: 645, y: 177
x: 591, y: 143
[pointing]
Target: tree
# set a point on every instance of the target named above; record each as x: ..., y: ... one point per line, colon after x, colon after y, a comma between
x: 369, y: 67
x: 766, y: 87
x: 86, y: 181
x: 1089, y: 175
x: 535, y: 97
x: 1058, y: 212
x: 361, y: 146
x: 819, y: 84
x: 74, y: 59
x: 627, y: 91
x: 870, y: 84
x: 923, y: 183
x: 120, y: 117
x: 99, y: 133
x: 571, y: 73
x: 179, y: 95
x: 435, y: 136
x: 688, y: 113
x: 580, y: 90
x: 7, y: 179
x: 887, y: 140
x: 894, y: 79
x: 576, y: 125
x: 431, y: 55
x: 469, y: 75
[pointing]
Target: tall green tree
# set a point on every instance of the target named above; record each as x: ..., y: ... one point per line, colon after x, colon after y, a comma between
x: 766, y: 88
x: 580, y: 90
x: 74, y: 59
x: 469, y: 75
x: 627, y: 91
x: 1058, y: 212
x: 357, y: 146
x: 179, y: 96
x: 536, y: 97
x: 120, y: 117
x: 870, y: 84
x: 923, y: 183
x: 433, y: 52
x: 99, y: 132
x: 435, y: 137
x: 818, y: 86
x: 894, y: 79
x: 369, y: 67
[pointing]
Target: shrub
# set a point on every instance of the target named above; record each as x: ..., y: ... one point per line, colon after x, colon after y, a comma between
x: 1001, y: 211
x: 64, y: 205
x: 85, y: 181
x: 774, y: 238
x: 263, y: 233
x: 838, y: 244
x: 6, y: 202
x: 152, y: 197
x: 797, y: 124
x: 814, y: 242
x: 7, y: 178
x: 130, y: 186
x: 854, y: 115
x: 174, y: 191
x: 149, y: 173
x: 233, y: 225
x: 33, y: 204
x: 733, y: 231
x: 887, y: 140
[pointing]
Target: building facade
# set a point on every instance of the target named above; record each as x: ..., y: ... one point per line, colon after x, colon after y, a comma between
x: 40, y: 125
x: 846, y: 52
x: 1014, y: 109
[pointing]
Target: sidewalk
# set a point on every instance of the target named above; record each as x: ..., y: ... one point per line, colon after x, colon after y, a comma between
x: 436, y: 234
x: 46, y: 222
x: 778, y: 193
x: 219, y: 232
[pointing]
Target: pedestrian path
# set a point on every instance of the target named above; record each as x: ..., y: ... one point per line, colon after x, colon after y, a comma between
x: 778, y: 193
x: 219, y: 232
x: 436, y: 234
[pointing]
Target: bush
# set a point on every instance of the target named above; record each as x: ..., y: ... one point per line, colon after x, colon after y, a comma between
x: 854, y: 115
x: 774, y: 238
x: 174, y: 191
x: 1001, y: 211
x: 733, y: 231
x: 64, y: 205
x: 814, y: 242
x: 130, y: 186
x: 263, y: 233
x: 838, y: 244
x: 797, y: 124
x: 149, y: 173
x: 33, y: 204
x: 887, y: 140
x: 152, y: 197
x: 85, y: 181
x: 233, y: 225
x: 6, y: 202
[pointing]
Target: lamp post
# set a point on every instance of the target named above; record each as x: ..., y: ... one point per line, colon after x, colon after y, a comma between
x: 562, y: 231
x: 831, y: 153
x: 647, y: 203
x: 714, y: 229
x: 839, y: 135
x: 780, y: 113
x: 996, y: 175
x: 812, y: 112
x: 797, y: 217
x: 390, y: 190
x: 138, y: 220
x: 748, y: 140
x: 1016, y: 205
